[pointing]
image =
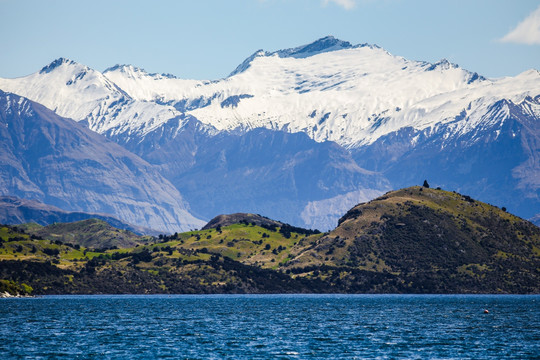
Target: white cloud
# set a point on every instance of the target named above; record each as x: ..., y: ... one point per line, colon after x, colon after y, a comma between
x: 527, y: 31
x: 346, y: 4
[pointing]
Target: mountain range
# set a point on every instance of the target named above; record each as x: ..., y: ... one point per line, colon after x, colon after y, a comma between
x: 299, y: 135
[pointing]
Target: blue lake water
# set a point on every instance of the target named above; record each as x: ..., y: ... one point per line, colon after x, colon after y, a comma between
x: 271, y: 326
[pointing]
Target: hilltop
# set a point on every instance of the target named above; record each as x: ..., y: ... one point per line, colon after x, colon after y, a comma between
x: 239, y: 218
x: 431, y: 240
x: 90, y: 233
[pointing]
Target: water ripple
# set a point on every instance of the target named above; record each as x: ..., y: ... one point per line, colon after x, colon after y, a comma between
x: 271, y: 326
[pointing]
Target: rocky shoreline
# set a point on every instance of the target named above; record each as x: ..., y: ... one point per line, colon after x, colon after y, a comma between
x: 5, y: 295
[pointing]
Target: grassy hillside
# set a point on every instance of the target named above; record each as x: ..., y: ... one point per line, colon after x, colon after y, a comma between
x: 91, y: 233
x: 415, y: 240
x: 208, y: 261
x: 432, y: 240
x: 267, y: 247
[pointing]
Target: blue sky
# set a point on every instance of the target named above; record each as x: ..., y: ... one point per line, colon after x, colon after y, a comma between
x: 207, y: 39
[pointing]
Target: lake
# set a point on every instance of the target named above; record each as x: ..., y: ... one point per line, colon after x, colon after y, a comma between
x: 271, y: 326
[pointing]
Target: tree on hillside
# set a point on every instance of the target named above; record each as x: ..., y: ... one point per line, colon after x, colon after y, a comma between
x: 426, y: 185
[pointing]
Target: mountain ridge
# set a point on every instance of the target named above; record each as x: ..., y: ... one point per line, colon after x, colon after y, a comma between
x: 91, y: 233
x: 360, y: 97
x: 179, y: 84
x: 60, y: 162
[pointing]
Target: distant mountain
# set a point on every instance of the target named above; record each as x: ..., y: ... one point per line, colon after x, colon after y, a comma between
x: 364, y: 94
x: 86, y: 95
x: 400, y: 120
x: 59, y: 162
x: 277, y: 174
x: 406, y: 120
x: 15, y: 211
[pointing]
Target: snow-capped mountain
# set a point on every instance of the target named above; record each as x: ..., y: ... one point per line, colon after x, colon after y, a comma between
x: 330, y: 89
x: 393, y: 116
x: 77, y: 92
x: 334, y: 91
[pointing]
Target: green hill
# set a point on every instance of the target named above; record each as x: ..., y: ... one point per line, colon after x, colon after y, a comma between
x: 428, y: 240
x: 241, y: 218
x: 414, y: 240
x: 194, y: 262
x: 91, y: 233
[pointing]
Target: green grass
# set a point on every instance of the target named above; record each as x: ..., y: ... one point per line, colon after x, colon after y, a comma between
x: 7, y: 233
x: 245, y: 243
x: 14, y: 288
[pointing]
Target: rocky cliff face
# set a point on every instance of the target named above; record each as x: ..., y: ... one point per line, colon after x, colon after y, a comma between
x: 62, y: 163
x: 276, y: 174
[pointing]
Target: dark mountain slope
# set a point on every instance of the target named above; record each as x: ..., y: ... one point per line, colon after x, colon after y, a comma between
x: 432, y: 241
x: 60, y: 162
x: 262, y: 171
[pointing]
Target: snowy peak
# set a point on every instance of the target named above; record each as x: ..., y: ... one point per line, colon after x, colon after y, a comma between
x: 442, y: 64
x: 531, y: 74
x: 66, y: 72
x: 78, y: 92
x: 247, y: 63
x: 326, y: 44
x: 71, y: 72
x: 323, y: 45
x: 11, y: 103
x: 445, y: 65
x: 55, y: 64
x: 70, y: 88
x: 143, y: 86
x: 136, y: 72
x: 125, y: 68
